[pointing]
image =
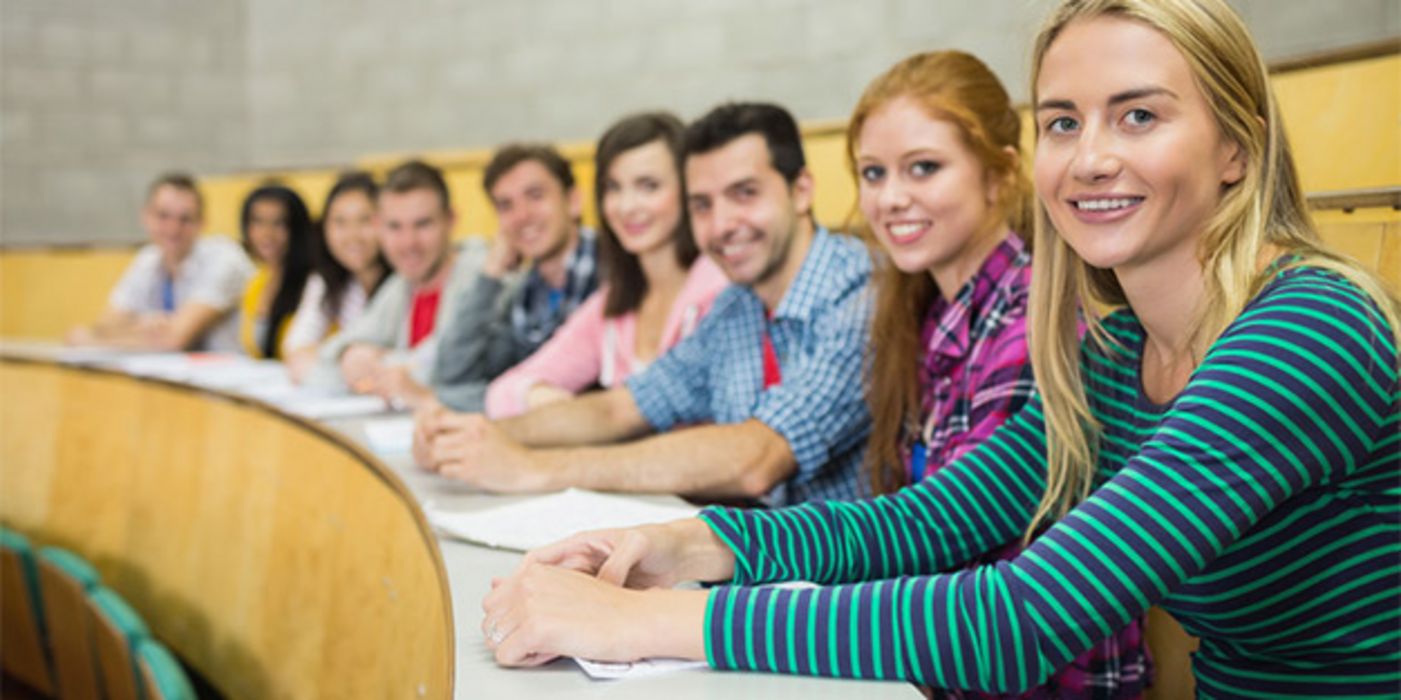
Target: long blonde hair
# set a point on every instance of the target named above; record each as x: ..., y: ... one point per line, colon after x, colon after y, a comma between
x: 1264, y: 211
x: 956, y: 87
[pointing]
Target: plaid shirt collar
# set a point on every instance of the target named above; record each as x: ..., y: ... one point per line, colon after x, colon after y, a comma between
x: 801, y: 298
x: 531, y: 316
x: 950, y: 327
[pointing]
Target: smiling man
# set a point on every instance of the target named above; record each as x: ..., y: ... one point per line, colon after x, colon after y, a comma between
x: 541, y: 267
x: 181, y: 290
x: 390, y: 349
x: 774, y: 370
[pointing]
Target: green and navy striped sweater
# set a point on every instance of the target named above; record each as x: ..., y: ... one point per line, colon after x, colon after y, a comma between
x: 1262, y: 508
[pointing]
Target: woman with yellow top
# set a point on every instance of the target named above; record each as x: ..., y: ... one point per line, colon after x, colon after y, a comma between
x: 276, y: 231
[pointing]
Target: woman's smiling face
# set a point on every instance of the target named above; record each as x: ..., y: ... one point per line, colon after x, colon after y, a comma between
x: 1130, y: 162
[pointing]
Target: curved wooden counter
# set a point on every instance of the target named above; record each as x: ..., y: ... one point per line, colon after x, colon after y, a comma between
x: 276, y: 557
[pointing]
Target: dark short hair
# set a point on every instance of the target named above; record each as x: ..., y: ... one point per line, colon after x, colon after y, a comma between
x: 732, y: 120
x: 513, y: 154
x: 418, y: 175
x: 180, y: 181
x: 626, y: 282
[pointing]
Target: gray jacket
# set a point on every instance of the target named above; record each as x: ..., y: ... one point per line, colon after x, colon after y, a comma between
x: 385, y: 322
x: 478, y: 343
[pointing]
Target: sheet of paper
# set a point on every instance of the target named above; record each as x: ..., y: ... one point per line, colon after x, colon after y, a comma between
x: 539, y: 521
x: 390, y: 436
x: 606, y: 671
x: 334, y: 406
x: 241, y: 374
x: 177, y: 366
x: 612, y: 671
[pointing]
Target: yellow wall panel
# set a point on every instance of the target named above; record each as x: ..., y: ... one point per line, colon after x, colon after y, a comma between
x: 835, y: 197
x: 43, y: 293
x: 463, y: 172
x: 224, y: 194
x: 1344, y: 122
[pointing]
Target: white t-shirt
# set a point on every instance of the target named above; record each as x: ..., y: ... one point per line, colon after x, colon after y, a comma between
x: 214, y: 274
x: 311, y: 325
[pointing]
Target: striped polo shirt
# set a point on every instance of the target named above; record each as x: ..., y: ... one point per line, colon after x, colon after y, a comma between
x: 1262, y: 508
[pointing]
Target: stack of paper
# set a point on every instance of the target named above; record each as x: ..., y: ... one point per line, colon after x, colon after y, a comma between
x: 322, y: 407
x: 390, y: 436
x: 540, y: 521
x: 606, y: 671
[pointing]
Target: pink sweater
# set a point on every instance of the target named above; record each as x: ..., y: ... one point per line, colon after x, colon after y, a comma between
x: 589, y: 348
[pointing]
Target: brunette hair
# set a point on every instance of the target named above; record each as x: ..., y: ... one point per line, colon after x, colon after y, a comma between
x: 418, y: 175
x: 626, y: 283
x: 732, y: 120
x: 338, y: 277
x: 513, y: 154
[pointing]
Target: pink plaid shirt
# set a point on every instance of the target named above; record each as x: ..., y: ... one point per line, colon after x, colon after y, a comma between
x: 975, y: 375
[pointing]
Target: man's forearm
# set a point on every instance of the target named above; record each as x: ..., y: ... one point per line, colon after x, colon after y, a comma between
x: 744, y: 460
x: 135, y: 333
x: 592, y: 419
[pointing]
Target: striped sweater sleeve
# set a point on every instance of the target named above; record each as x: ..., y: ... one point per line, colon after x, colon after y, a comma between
x: 935, y: 525
x: 1301, y: 388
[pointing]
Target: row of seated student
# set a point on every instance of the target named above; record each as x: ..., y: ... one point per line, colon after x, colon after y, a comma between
x: 364, y: 299
x: 1186, y: 404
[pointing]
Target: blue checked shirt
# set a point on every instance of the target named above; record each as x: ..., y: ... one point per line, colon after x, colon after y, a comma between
x: 819, y: 333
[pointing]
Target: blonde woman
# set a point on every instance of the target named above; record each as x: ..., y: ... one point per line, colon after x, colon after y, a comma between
x: 1223, y: 444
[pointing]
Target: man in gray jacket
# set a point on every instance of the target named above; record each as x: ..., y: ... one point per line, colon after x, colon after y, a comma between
x: 541, y: 267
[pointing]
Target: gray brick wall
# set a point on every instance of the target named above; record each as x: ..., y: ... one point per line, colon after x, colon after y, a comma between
x: 98, y: 98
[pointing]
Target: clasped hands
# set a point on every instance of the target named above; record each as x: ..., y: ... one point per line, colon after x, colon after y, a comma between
x: 607, y: 595
x: 470, y: 448
x: 366, y: 372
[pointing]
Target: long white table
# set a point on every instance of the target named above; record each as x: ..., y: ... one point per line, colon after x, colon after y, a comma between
x: 470, y: 569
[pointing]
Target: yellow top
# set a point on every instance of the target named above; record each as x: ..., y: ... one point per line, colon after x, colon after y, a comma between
x: 248, y: 322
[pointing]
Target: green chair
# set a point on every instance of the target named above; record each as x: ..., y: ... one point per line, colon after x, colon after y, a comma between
x: 64, y: 581
x: 117, y: 629
x: 23, y: 651
x: 162, y: 675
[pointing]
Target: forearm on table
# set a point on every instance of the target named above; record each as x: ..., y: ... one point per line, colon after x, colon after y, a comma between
x: 739, y: 460
x: 597, y: 418
x: 675, y: 626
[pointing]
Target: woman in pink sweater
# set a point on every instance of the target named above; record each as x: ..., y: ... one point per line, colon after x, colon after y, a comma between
x: 657, y: 285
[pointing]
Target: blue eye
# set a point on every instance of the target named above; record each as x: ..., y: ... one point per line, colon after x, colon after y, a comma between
x: 924, y: 168
x: 872, y: 173
x: 1062, y: 125
x: 1139, y: 117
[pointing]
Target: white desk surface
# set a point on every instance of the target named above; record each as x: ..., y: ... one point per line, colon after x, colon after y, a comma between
x: 470, y: 569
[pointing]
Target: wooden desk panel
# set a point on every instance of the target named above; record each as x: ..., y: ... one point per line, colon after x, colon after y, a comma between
x: 275, y: 556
